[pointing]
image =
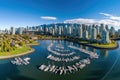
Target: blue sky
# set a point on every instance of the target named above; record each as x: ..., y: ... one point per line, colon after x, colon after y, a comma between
x: 19, y: 13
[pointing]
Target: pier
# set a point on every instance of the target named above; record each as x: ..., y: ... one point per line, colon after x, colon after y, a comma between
x: 65, y: 69
x: 92, y: 54
x: 63, y: 59
x: 57, y: 53
x: 20, y: 61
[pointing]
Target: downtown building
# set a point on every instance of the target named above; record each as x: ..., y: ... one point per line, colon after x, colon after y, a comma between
x: 82, y: 31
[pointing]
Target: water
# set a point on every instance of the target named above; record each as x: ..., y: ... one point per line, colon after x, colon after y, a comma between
x: 106, y: 67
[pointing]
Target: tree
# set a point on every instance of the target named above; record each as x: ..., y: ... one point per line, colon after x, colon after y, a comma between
x: 21, y: 43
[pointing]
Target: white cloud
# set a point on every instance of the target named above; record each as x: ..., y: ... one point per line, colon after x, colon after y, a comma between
x: 109, y: 16
x: 110, y: 20
x: 81, y: 21
x: 105, y: 14
x: 48, y: 18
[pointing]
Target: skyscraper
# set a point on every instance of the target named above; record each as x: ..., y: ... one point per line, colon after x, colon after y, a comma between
x: 69, y: 31
x: 65, y: 30
x: 59, y: 30
x: 80, y: 32
x: 97, y: 30
x: 20, y: 30
x: 112, y: 31
x: 93, y: 33
x: 12, y: 30
x: 105, y: 35
x: 89, y: 30
x: 85, y: 34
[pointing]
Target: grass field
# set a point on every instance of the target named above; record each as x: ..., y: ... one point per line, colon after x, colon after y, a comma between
x: 16, y: 51
x: 110, y: 45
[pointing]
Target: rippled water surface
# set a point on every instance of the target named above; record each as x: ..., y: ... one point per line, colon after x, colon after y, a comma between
x: 105, y: 67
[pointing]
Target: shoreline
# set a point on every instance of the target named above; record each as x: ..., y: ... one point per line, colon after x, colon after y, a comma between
x: 97, y: 47
x: 32, y: 44
x: 17, y: 55
x: 116, y: 39
x: 32, y: 50
x: 85, y: 44
x: 20, y: 54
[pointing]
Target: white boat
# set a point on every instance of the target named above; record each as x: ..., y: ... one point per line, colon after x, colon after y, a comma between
x: 82, y: 66
x: 47, y: 68
x: 20, y: 61
x: 42, y: 67
x: 52, y: 68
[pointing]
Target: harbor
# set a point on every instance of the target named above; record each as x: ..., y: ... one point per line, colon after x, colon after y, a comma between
x: 65, y: 69
x: 20, y: 61
x: 40, y: 67
x: 66, y: 54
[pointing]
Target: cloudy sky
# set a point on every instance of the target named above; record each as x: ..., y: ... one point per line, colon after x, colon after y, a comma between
x: 18, y: 13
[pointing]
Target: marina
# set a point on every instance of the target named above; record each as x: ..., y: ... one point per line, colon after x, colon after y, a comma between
x: 63, y: 59
x: 57, y: 53
x: 42, y: 68
x: 61, y: 54
x: 65, y: 69
x: 92, y: 54
x: 20, y: 61
x: 59, y: 39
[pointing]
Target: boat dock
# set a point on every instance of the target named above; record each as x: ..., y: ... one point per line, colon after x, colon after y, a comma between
x: 92, y: 54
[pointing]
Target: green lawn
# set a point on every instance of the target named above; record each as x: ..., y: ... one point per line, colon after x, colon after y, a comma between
x: 34, y: 42
x: 16, y: 51
x: 110, y: 45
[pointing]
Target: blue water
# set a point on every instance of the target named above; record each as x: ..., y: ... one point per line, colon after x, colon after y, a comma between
x: 106, y: 67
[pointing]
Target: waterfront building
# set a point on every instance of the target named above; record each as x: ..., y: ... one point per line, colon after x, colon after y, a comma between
x: 62, y: 31
x: 105, y: 35
x: 27, y: 28
x: 59, y: 30
x: 106, y: 26
x: 12, y: 30
x: 112, y: 31
x: 89, y: 30
x: 65, y: 30
x: 20, y: 30
x: 6, y: 31
x: 85, y: 34
x: 83, y: 27
x: 74, y: 31
x: 40, y: 29
x: 71, y: 26
x: 53, y: 31
x: 70, y: 30
x: 50, y: 30
x: 80, y: 32
x: 46, y: 29
x: 97, y: 30
x: 93, y: 33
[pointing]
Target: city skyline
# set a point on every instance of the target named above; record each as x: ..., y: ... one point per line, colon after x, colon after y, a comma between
x: 32, y: 13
